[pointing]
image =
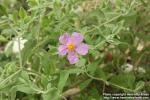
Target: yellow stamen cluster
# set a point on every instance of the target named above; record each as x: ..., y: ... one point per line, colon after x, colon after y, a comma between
x: 71, y: 47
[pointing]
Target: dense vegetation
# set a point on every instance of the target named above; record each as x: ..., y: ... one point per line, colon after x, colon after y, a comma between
x: 118, y: 60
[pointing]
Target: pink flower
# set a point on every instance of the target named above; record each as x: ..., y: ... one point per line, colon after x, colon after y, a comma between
x: 72, y: 46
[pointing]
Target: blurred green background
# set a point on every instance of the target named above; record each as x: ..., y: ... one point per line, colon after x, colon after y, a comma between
x: 117, y: 31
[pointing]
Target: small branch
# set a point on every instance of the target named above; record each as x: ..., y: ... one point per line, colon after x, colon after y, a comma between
x: 103, y: 87
x: 109, y: 83
x: 114, y: 18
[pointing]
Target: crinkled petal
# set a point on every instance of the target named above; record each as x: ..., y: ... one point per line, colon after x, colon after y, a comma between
x: 77, y: 38
x: 62, y: 49
x: 72, y: 57
x: 63, y: 39
x: 82, y: 49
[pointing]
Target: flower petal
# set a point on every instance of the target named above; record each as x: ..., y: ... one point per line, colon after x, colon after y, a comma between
x: 62, y: 49
x: 77, y: 38
x: 82, y: 49
x: 72, y: 57
x: 64, y: 38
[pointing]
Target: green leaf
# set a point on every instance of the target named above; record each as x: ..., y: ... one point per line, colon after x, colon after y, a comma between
x: 140, y: 85
x: 5, y: 82
x: 2, y: 10
x: 22, y: 13
x: 3, y: 39
x: 48, y: 64
x: 63, y: 78
x: 33, y: 3
x: 52, y: 94
x: 75, y: 70
x: 27, y: 51
x: 25, y: 88
x: 85, y: 84
x: 100, y: 74
x: 10, y: 68
x: 81, y: 63
x: 91, y: 68
x: 124, y: 80
x: 94, y: 94
x: 14, y: 16
x: 44, y: 80
x: 24, y: 77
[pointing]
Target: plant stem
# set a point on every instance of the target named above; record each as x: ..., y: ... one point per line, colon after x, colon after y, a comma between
x: 9, y: 77
x: 109, y: 83
x: 105, y: 23
x: 20, y: 57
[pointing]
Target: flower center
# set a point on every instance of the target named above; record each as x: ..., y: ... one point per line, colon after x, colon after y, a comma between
x: 71, y: 47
